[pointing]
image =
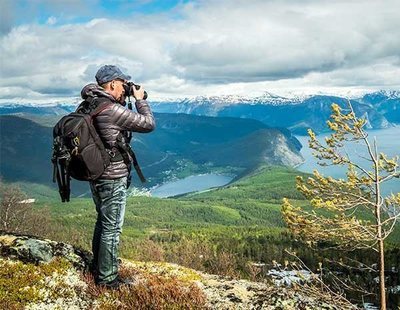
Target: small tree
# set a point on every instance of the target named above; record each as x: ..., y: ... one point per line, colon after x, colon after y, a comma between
x: 17, y: 214
x: 352, y: 212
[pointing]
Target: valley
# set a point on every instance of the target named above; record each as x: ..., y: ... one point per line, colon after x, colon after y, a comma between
x: 225, y: 230
x: 222, y: 231
x: 183, y: 145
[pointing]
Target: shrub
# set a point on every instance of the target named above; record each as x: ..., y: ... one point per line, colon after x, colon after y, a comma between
x: 17, y: 214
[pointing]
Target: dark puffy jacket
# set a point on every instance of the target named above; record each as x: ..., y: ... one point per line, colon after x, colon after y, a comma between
x: 111, y: 121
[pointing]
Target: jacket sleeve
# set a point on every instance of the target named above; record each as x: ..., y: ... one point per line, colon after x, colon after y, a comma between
x: 140, y: 121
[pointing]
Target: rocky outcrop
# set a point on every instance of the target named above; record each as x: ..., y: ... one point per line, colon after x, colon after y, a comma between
x: 284, y: 151
x: 34, y: 250
x: 51, y: 275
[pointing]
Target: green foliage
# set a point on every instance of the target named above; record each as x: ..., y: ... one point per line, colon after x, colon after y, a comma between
x: 21, y: 284
x: 357, y: 215
x: 219, y: 231
x: 243, y: 203
x: 346, y: 201
x: 182, y: 145
x: 266, y: 184
x: 243, y: 218
x: 37, y: 191
x: 239, y: 218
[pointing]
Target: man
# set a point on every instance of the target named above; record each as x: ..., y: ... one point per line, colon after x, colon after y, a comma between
x: 109, y: 191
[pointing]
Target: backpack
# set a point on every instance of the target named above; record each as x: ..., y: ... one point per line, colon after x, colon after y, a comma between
x: 78, y: 150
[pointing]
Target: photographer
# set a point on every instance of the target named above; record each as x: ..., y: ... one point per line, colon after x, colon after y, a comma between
x: 114, y: 125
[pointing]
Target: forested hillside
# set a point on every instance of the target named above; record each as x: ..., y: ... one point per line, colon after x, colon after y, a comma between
x: 182, y: 145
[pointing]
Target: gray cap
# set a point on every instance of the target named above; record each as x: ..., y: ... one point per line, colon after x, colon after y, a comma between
x: 108, y: 73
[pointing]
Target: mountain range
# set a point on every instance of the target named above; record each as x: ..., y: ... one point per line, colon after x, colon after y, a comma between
x: 225, y: 134
x: 381, y: 109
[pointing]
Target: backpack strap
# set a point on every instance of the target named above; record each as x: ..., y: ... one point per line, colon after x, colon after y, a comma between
x: 99, y: 105
x: 91, y: 105
x: 129, y: 158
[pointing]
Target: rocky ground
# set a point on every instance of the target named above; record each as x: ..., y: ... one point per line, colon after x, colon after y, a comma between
x: 43, y: 274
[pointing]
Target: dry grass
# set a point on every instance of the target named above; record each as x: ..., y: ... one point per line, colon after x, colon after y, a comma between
x: 150, y: 292
x: 201, y: 256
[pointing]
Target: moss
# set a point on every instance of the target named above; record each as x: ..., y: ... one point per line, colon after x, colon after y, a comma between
x: 7, y: 240
x: 21, y: 284
x: 166, y: 270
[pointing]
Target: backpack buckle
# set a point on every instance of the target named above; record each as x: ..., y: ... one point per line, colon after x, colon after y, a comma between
x: 111, y: 153
x: 75, y: 151
x: 76, y: 141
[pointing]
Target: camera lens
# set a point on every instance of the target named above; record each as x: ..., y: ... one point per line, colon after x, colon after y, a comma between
x: 129, y: 91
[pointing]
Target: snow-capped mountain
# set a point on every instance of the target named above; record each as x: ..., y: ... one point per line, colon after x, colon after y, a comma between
x: 296, y: 112
x: 46, y: 109
x: 219, y: 100
x: 224, y: 100
x: 269, y: 98
x: 390, y: 94
x: 386, y: 102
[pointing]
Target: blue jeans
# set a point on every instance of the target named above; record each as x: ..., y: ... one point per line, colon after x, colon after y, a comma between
x: 110, y: 199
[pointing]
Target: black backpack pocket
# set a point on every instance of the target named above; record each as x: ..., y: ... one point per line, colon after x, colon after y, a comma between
x: 93, y: 160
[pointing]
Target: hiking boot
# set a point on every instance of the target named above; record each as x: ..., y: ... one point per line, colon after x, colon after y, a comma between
x: 93, y: 269
x: 117, y: 283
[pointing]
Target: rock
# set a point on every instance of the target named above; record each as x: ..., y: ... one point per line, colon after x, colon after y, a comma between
x: 231, y: 294
x: 58, y: 282
x: 33, y: 250
x: 37, y: 250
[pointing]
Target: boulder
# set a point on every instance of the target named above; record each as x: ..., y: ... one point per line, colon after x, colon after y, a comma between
x: 31, y: 249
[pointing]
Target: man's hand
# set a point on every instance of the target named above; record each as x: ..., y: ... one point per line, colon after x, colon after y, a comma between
x: 138, y: 93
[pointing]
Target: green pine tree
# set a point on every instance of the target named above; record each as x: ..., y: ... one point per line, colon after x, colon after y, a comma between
x: 350, y: 213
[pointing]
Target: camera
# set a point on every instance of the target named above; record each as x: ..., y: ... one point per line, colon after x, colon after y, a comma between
x: 128, y: 87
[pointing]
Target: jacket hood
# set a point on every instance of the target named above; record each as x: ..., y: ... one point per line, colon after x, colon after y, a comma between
x: 94, y: 90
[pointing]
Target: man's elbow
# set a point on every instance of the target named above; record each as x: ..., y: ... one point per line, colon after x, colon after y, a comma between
x: 150, y: 126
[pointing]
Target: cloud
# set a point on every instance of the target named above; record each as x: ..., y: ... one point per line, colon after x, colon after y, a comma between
x: 272, y: 40
x: 51, y: 20
x: 209, y: 46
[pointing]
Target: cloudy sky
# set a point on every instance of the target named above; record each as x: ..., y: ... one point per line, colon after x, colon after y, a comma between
x: 51, y: 48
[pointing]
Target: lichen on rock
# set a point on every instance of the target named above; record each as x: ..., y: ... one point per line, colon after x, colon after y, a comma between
x: 40, y: 286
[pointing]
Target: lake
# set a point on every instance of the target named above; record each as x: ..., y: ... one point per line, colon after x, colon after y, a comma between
x: 387, y: 142
x: 189, y: 184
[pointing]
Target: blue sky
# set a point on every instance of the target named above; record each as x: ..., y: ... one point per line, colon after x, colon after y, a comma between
x: 31, y: 11
x: 51, y: 48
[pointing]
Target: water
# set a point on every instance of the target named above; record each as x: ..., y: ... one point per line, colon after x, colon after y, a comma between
x: 387, y: 142
x: 189, y: 184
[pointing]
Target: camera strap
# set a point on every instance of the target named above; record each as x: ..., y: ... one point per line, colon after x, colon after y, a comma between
x: 130, y: 158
